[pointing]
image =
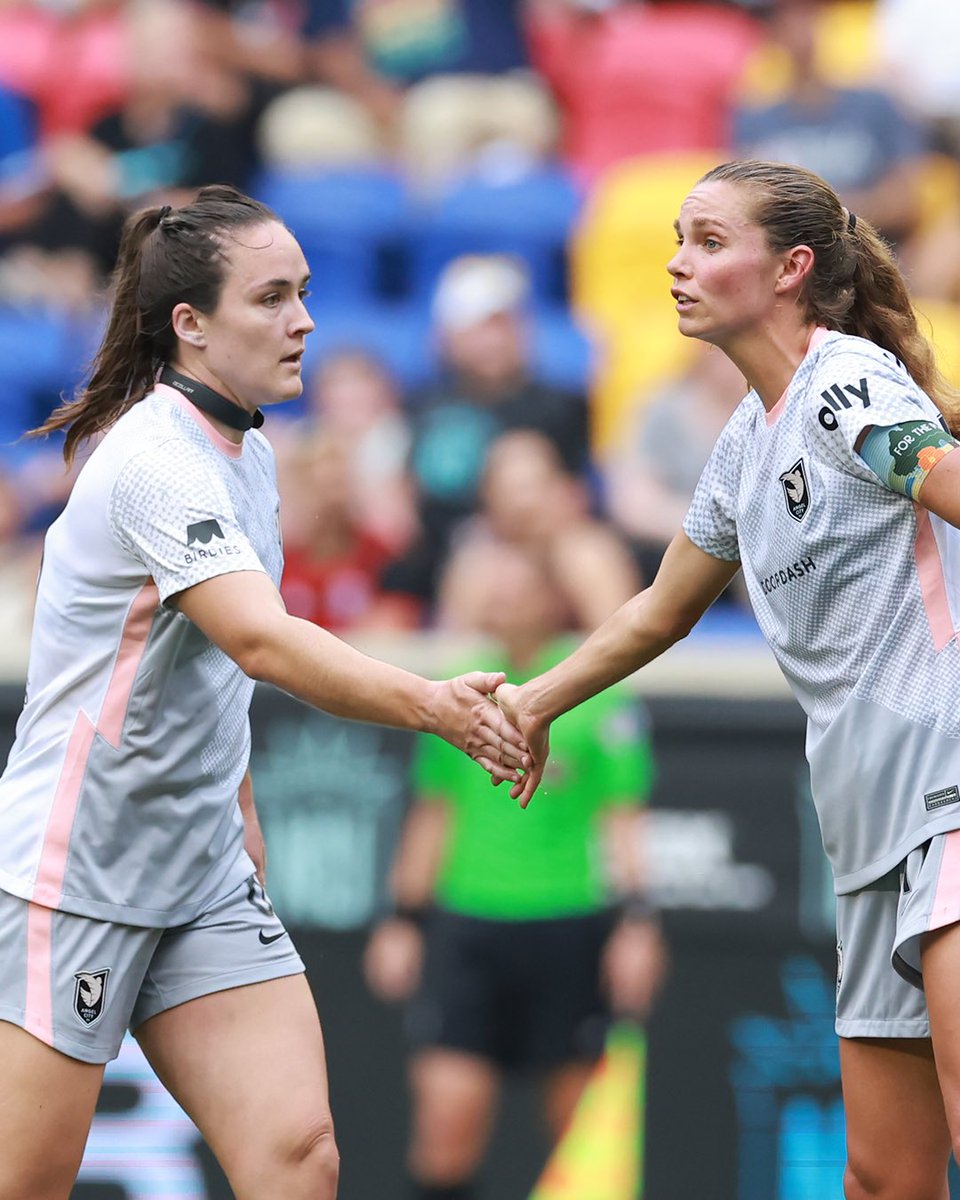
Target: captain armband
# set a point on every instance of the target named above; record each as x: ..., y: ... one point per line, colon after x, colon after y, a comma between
x: 903, y: 455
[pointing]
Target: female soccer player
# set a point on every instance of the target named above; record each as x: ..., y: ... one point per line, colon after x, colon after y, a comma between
x: 836, y: 488
x: 131, y: 863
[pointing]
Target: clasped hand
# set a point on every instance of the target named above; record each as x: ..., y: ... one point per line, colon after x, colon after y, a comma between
x: 484, y: 716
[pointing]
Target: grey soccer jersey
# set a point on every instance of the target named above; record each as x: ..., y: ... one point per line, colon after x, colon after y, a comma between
x: 856, y: 590
x: 119, y: 800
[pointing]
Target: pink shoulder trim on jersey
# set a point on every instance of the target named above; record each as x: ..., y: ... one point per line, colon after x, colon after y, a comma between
x: 224, y: 445
x: 38, y: 1007
x: 133, y: 642
x: 933, y: 586
x: 775, y: 413
x: 946, y: 902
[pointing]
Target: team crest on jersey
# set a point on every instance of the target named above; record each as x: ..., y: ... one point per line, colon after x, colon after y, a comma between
x: 796, y: 490
x: 90, y: 995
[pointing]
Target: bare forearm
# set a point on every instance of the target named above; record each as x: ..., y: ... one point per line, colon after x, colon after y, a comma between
x: 243, y: 613
x: 687, y: 583
x: 310, y: 663
x: 620, y: 646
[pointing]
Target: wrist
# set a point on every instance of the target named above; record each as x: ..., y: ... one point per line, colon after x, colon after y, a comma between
x: 638, y: 906
x: 412, y: 914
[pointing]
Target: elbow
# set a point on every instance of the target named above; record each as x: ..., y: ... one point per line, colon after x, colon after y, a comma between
x: 660, y: 625
x: 254, y: 654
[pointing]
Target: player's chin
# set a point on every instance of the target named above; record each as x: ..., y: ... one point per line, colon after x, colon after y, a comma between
x: 290, y: 383
x: 688, y: 326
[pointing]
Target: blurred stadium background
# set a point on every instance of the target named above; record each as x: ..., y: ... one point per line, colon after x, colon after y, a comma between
x: 396, y: 137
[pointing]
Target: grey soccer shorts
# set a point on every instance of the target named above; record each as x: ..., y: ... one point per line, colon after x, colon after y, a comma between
x: 78, y: 984
x: 879, y: 980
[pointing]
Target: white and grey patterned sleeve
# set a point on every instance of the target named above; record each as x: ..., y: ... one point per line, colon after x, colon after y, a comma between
x: 853, y: 388
x: 711, y: 521
x: 173, y: 514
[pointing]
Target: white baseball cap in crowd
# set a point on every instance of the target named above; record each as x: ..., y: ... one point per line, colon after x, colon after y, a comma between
x: 477, y: 286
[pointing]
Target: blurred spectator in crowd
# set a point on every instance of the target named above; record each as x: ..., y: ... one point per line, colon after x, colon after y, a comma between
x: 185, y: 117
x: 486, y: 386
x: 516, y: 934
x: 917, y: 47
x: 433, y: 83
x: 532, y: 501
x: 332, y: 561
x: 259, y: 39
x: 634, y: 77
x: 917, y: 50
x: 650, y: 475
x: 353, y: 397
x: 857, y: 138
x: 70, y: 59
x: 68, y: 65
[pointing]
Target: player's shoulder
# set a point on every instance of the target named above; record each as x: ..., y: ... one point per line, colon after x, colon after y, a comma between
x: 849, y: 372
x: 260, y: 449
x: 848, y: 352
x: 746, y: 420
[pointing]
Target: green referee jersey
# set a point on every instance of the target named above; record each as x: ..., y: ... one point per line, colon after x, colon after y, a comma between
x: 507, y: 863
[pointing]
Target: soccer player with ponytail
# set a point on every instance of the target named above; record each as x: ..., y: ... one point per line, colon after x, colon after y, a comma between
x: 835, y: 487
x: 131, y: 863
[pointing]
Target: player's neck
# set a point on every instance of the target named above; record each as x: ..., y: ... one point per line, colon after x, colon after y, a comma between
x: 769, y: 358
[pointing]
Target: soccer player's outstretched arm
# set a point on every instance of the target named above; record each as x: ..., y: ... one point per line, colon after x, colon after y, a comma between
x: 688, y: 582
x: 243, y: 614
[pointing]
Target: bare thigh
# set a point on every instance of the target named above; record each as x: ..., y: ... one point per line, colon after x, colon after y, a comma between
x: 248, y: 1066
x: 454, y: 1101
x: 47, y: 1101
x: 898, y: 1144
x: 940, y: 957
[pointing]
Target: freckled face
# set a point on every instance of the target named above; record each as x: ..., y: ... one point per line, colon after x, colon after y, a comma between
x: 253, y: 340
x: 724, y: 273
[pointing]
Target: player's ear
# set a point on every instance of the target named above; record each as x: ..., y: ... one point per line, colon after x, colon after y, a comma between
x: 796, y: 265
x: 187, y: 324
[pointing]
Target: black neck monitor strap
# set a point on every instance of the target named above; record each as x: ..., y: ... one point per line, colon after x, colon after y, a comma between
x: 211, y: 402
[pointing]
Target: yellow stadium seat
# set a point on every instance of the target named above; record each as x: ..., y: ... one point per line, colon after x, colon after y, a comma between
x: 847, y: 53
x: 847, y: 42
x: 643, y: 350
x: 939, y: 189
x: 620, y: 288
x: 624, y: 239
x: 940, y: 322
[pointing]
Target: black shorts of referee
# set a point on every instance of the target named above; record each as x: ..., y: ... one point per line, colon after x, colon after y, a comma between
x: 521, y: 994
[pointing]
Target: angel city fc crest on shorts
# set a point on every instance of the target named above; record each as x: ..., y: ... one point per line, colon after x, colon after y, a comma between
x: 796, y: 490
x: 90, y: 995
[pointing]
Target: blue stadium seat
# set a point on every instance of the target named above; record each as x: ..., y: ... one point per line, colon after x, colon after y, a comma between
x: 350, y: 223
x: 563, y: 355
x: 531, y: 217
x: 43, y: 354
x: 398, y: 334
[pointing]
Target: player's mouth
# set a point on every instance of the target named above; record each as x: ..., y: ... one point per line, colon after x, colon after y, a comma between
x: 294, y: 359
x: 684, y: 302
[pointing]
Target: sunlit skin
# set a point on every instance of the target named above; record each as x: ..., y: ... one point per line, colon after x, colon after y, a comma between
x: 250, y: 348
x: 733, y: 291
